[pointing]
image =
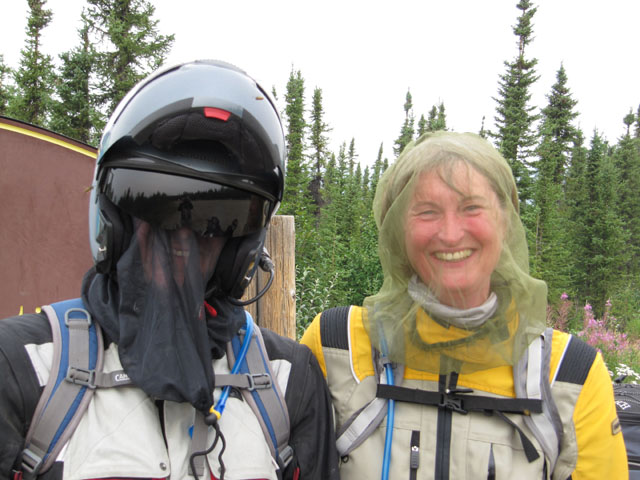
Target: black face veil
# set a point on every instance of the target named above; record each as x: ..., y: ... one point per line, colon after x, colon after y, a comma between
x: 153, y: 307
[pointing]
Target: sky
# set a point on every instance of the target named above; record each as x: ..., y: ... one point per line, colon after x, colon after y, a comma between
x: 366, y: 55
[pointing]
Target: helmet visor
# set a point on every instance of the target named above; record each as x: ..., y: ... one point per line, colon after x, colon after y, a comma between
x: 171, y: 202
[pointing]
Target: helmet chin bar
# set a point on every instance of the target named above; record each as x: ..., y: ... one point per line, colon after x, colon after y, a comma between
x: 266, y: 265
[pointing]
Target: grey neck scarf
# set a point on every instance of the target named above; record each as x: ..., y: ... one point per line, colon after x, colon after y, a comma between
x: 466, y: 319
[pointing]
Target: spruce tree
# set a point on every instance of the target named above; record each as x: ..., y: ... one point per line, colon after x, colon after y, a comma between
x: 130, y: 45
x: 627, y: 161
x: 578, y: 201
x: 407, y: 131
x: 422, y: 126
x: 319, y: 143
x: 34, y: 78
x: 297, y: 175
x: 549, y: 252
x: 297, y: 199
x: 628, y: 120
x: 6, y: 90
x: 515, y: 117
x: 432, y: 119
x: 482, y: 132
x: 74, y: 113
x: 437, y: 118
x: 603, y: 239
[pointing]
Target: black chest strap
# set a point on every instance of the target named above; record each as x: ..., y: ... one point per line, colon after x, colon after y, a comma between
x: 459, y: 401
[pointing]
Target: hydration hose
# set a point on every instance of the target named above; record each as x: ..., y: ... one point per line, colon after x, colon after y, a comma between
x: 222, y: 401
x: 391, y: 404
x: 388, y: 439
x: 216, y: 411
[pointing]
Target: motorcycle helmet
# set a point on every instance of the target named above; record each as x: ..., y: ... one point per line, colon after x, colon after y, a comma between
x: 199, y: 144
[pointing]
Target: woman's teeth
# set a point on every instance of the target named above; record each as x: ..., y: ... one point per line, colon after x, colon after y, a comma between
x: 453, y: 256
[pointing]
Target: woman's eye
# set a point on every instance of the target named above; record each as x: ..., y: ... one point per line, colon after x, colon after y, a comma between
x: 428, y: 212
x: 472, y: 207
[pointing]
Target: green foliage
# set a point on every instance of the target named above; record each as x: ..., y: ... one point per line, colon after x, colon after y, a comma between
x: 75, y: 113
x: 514, y: 116
x: 598, y: 231
x: 331, y: 197
x: 550, y: 252
x: 626, y: 158
x: 128, y: 46
x: 625, y: 302
x: 35, y: 75
x: 297, y: 176
x: 407, y: 131
x: 6, y: 90
x: 620, y: 351
x: 313, y: 296
x: 319, y: 145
x: 437, y: 119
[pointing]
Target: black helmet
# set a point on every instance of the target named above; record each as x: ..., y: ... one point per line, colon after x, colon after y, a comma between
x: 199, y: 144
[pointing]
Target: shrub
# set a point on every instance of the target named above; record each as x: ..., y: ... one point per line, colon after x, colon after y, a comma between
x: 619, y: 350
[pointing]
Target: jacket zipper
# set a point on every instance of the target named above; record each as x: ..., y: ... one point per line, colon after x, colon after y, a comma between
x: 443, y: 435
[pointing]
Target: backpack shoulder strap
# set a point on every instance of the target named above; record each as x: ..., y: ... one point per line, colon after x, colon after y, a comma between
x: 256, y: 381
x: 575, y: 362
x: 334, y: 327
x: 264, y: 396
x: 334, y: 333
x: 531, y: 380
x: 77, y: 355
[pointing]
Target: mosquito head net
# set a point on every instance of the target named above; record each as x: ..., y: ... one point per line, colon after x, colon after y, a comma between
x: 457, y: 294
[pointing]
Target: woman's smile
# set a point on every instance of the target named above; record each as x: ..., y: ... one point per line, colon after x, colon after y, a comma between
x: 453, y: 256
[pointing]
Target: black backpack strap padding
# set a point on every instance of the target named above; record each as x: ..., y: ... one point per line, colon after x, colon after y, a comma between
x: 334, y: 328
x: 576, y: 362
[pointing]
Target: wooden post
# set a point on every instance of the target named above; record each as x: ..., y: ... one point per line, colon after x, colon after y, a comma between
x: 276, y: 310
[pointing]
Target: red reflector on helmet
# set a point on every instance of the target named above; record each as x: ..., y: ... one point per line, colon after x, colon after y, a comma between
x: 211, y: 112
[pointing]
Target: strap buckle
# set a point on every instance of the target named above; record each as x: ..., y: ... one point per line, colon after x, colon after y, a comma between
x: 68, y: 319
x: 453, y: 403
x: 286, y: 455
x: 258, y: 381
x: 81, y: 376
x: 31, y: 462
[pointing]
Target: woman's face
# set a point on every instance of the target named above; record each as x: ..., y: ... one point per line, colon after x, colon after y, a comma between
x: 453, y: 236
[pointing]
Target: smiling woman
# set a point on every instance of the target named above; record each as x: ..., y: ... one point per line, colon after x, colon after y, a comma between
x: 453, y: 349
x: 450, y: 236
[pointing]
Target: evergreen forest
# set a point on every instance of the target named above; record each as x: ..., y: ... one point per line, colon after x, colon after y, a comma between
x: 578, y: 192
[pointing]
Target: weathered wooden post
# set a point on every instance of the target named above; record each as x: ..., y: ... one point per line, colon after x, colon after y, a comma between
x: 276, y: 310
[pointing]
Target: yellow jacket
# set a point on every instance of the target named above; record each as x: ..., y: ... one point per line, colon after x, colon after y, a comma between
x: 592, y: 446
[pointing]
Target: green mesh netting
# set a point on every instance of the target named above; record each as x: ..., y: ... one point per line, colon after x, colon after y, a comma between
x: 399, y: 325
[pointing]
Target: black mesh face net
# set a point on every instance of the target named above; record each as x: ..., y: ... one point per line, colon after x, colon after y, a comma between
x: 152, y: 307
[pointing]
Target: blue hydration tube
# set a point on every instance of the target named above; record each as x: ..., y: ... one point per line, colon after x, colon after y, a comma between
x: 222, y: 401
x: 388, y: 440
